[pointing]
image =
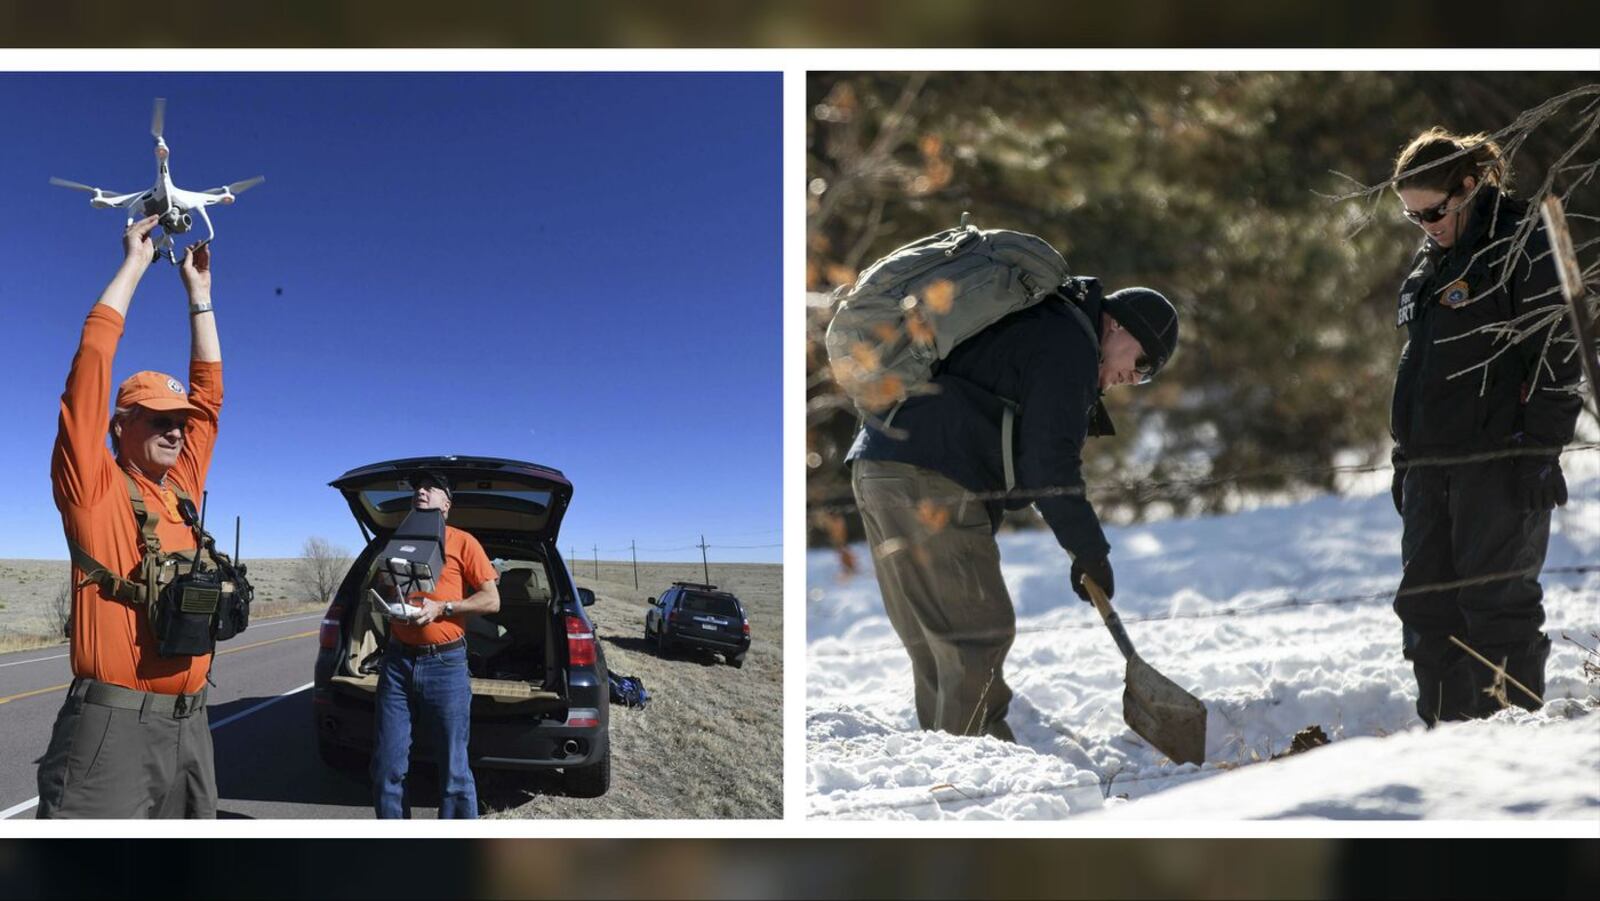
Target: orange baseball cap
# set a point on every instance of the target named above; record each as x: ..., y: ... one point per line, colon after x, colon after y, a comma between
x: 154, y: 391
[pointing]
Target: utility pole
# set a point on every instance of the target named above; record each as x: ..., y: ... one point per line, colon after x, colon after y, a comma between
x: 597, y: 561
x: 703, y: 562
x: 633, y: 546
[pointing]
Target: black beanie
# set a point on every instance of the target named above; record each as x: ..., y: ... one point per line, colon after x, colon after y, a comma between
x: 1150, y: 318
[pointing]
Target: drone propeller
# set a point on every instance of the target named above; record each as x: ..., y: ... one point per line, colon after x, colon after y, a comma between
x: 158, y: 117
x: 76, y: 186
x: 239, y: 187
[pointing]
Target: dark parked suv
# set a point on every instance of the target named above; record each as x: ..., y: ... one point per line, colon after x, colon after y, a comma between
x: 540, y: 698
x: 690, y: 613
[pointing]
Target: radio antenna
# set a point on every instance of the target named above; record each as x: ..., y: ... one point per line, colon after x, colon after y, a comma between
x: 204, y: 497
x: 236, y: 541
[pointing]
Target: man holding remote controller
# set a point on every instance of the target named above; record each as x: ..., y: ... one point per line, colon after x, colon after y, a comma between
x: 425, y: 670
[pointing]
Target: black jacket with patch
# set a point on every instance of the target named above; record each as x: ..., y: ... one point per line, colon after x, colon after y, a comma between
x: 1043, y: 364
x: 1463, y: 386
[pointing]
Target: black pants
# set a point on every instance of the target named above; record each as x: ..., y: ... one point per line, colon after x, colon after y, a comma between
x: 1464, y: 523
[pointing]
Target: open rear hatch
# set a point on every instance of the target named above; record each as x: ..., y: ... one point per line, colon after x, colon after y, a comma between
x: 510, y: 654
x: 513, y: 509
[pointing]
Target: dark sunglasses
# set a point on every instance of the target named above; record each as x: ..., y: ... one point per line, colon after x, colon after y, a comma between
x: 1430, y: 216
x: 1145, y: 368
x: 165, y: 423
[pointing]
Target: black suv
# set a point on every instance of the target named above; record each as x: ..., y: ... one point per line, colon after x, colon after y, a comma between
x: 540, y: 698
x: 691, y: 613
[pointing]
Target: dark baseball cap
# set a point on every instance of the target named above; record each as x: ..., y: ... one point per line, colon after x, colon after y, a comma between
x: 417, y: 476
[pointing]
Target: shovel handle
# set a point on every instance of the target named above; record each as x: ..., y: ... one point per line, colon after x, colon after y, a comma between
x: 1113, y: 622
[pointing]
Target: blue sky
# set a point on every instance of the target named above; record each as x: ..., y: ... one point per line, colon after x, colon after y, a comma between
x: 580, y: 270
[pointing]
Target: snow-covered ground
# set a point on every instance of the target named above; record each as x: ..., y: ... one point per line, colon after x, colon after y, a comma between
x: 1187, y: 590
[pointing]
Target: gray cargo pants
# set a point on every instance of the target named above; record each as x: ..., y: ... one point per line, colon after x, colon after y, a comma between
x: 938, y: 568
x: 116, y: 753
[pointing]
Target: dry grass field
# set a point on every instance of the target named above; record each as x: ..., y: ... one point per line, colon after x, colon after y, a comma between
x: 29, y: 588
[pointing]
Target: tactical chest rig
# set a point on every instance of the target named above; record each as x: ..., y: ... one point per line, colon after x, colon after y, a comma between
x: 192, y: 606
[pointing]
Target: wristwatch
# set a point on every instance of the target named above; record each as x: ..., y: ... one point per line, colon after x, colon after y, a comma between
x: 449, y: 608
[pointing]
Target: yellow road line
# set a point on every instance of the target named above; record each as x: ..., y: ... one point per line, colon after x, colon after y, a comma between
x: 41, y: 691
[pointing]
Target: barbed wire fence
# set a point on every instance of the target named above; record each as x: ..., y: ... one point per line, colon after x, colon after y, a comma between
x: 1549, y: 206
x: 1561, y: 318
x: 1106, y: 782
x: 1578, y: 266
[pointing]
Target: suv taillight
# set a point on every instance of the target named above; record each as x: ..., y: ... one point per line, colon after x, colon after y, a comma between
x: 580, y: 642
x: 746, y: 628
x: 328, y: 635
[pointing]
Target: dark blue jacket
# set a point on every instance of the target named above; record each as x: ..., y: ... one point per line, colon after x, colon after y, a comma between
x: 1444, y: 401
x: 1043, y: 362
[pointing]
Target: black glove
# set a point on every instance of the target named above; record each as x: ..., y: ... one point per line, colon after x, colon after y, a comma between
x: 1398, y: 487
x: 1540, y: 484
x: 1098, y: 569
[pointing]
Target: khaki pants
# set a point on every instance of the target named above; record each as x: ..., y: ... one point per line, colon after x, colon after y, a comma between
x: 115, y: 762
x: 938, y: 568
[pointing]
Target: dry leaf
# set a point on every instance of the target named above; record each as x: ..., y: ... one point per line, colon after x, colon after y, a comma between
x: 919, y: 330
x: 934, y: 516
x: 865, y: 356
x: 841, y: 275
x: 939, y: 296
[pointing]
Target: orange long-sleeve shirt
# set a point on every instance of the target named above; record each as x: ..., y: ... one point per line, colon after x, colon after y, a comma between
x: 112, y: 641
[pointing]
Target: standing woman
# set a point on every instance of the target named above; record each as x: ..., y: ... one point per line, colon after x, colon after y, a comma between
x: 1488, y: 519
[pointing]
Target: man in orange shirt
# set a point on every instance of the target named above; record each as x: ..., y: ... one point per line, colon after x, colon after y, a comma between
x: 425, y: 671
x: 132, y: 738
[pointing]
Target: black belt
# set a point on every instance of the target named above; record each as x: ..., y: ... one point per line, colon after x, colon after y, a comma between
x: 428, y: 650
x: 105, y: 694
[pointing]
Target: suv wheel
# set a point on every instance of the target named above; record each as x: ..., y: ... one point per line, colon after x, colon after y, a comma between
x: 736, y: 660
x: 590, y: 781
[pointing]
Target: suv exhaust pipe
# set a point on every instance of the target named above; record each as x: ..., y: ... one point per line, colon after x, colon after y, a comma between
x: 569, y: 748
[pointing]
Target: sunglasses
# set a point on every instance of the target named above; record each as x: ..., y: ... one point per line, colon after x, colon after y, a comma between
x: 164, y: 423
x: 1430, y: 216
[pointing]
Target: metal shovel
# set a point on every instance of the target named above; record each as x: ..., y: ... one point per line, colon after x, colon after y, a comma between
x: 1154, y: 707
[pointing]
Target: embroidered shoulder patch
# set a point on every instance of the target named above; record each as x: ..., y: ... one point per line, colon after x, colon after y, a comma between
x: 1455, y: 295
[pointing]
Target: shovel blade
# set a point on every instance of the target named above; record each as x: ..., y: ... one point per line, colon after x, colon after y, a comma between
x: 1166, y: 716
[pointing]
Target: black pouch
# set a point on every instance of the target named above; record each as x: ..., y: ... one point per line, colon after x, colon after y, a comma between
x: 233, y: 612
x: 185, y: 612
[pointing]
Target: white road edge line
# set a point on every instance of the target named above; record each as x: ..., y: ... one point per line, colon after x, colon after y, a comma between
x: 34, y: 660
x: 33, y: 802
x: 263, y: 623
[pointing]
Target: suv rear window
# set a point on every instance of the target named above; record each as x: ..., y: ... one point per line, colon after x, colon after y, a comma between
x: 714, y: 604
x: 476, y: 505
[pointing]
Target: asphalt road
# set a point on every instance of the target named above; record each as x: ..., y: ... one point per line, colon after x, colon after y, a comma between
x: 261, y: 725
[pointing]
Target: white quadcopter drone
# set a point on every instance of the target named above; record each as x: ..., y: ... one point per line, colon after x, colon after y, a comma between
x: 171, y: 203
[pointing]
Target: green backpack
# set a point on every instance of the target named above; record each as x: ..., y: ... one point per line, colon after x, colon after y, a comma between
x: 910, y: 309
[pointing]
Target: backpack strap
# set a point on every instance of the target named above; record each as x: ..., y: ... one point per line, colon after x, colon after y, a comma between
x: 147, y: 586
x: 1071, y: 294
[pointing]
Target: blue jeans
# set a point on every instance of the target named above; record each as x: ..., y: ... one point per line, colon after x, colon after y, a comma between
x: 434, y: 691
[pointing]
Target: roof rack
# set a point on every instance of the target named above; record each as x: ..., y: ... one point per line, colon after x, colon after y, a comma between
x: 700, y: 585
